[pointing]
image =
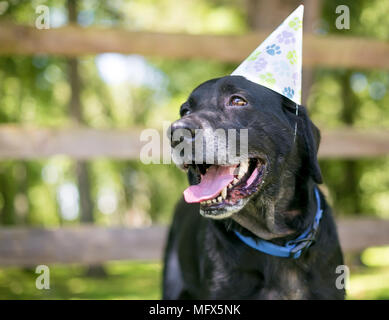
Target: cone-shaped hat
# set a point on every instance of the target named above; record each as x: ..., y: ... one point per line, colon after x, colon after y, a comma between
x: 277, y: 62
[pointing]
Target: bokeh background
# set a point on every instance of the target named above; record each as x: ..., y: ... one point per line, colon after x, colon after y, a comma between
x: 119, y: 91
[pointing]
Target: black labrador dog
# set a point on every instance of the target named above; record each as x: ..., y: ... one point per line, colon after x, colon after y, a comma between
x: 273, y: 197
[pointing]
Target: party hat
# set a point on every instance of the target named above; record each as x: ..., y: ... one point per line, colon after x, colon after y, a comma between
x: 277, y: 62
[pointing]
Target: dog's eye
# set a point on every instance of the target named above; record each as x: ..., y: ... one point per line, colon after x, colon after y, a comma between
x: 184, y: 112
x: 237, y: 101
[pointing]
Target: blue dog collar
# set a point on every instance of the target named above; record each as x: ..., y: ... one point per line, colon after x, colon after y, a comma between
x: 292, y: 248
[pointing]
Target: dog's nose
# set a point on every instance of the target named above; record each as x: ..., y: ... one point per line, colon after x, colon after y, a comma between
x: 182, y: 130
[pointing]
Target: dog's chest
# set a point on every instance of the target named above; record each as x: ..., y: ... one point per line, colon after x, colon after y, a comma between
x: 253, y: 276
x: 288, y: 286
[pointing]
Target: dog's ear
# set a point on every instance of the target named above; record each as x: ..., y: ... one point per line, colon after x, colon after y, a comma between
x: 311, y: 136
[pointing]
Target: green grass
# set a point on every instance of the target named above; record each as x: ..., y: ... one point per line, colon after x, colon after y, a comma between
x: 369, y: 283
x: 124, y: 280
x: 141, y: 280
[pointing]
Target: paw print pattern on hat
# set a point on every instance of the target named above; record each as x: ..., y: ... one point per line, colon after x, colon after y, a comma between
x: 268, y: 78
x: 276, y: 63
x: 286, y: 37
x: 288, y: 92
x: 296, y: 23
x: 273, y: 49
x: 292, y: 56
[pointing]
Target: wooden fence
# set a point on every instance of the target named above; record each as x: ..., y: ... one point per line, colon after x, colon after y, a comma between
x: 89, y: 244
x: 86, y: 143
x: 346, y: 52
x: 92, y: 244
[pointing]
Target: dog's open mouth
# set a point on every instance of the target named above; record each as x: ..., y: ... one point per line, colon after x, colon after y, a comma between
x: 224, y: 190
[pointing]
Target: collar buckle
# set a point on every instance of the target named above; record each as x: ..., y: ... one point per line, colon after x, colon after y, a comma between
x: 298, y: 245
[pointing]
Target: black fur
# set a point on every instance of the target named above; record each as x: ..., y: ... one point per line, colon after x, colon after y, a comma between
x: 204, y: 259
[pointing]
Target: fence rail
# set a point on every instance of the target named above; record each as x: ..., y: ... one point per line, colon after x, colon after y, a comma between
x: 346, y: 52
x: 89, y: 244
x: 85, y: 143
x: 85, y: 244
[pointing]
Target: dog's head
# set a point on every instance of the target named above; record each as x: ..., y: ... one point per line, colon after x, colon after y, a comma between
x: 278, y: 156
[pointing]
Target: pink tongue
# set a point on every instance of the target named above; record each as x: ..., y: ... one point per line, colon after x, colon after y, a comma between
x: 212, y: 183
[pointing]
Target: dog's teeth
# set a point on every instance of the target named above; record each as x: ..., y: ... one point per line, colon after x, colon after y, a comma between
x: 235, y: 181
x: 245, y: 163
x: 208, y: 201
x: 214, y: 200
x: 229, y: 186
x: 224, y: 193
x: 244, y: 166
x: 220, y: 199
